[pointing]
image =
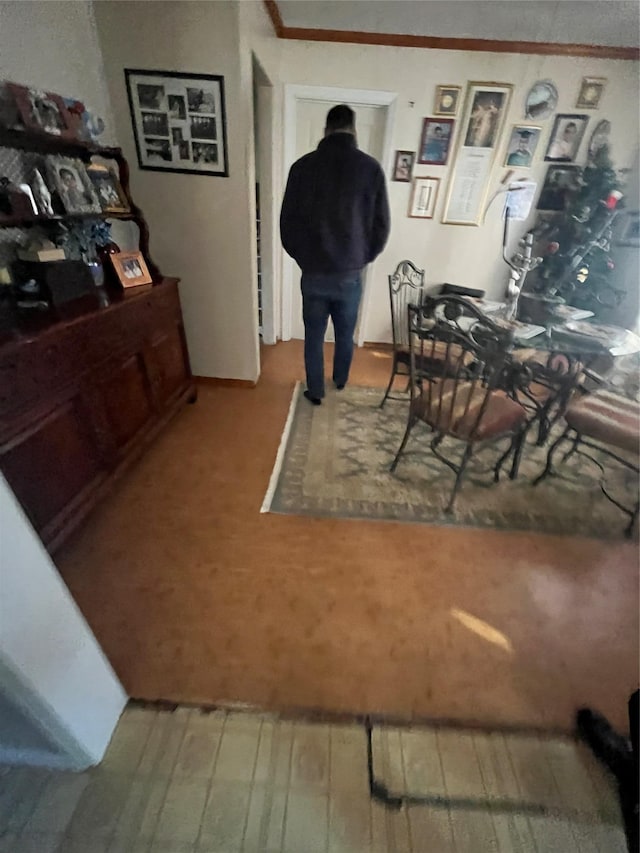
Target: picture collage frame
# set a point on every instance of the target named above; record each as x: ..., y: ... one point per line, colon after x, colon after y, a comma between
x: 179, y: 121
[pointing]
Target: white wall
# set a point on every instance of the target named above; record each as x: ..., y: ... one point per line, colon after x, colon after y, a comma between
x: 457, y: 254
x: 202, y: 228
x: 51, y: 667
x: 54, y: 45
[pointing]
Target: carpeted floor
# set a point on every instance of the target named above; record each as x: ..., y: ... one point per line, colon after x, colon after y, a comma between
x: 337, y: 458
x: 197, y: 597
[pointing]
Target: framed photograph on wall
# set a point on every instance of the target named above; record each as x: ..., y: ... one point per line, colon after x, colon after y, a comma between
x: 403, y: 166
x: 565, y: 139
x: 630, y: 230
x: 179, y: 121
x: 482, y: 122
x: 447, y: 100
x: 559, y: 183
x: 435, y: 141
x: 591, y: 90
x: 423, y: 198
x: 522, y: 146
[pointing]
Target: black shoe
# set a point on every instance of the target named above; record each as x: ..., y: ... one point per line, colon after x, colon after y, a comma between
x: 315, y: 400
x: 339, y: 387
x: 612, y: 749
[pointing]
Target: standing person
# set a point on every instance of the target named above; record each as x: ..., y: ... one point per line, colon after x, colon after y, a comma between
x: 334, y: 221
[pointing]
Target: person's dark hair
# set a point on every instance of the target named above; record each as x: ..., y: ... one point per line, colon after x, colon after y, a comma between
x: 340, y: 118
x: 571, y: 124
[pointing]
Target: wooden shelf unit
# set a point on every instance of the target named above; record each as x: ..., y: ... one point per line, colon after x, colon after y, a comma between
x: 86, y: 387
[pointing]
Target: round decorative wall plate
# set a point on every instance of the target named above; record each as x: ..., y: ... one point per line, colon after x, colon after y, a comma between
x: 541, y: 101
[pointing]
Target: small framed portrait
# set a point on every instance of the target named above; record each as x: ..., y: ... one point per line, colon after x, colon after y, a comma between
x: 559, y: 183
x: 107, y: 186
x: 43, y: 111
x: 423, y: 198
x: 447, y: 99
x: 591, y: 90
x: 179, y: 121
x: 435, y: 141
x: 177, y: 107
x: 522, y: 146
x: 565, y: 139
x: 131, y: 269
x: 72, y: 185
x: 403, y: 166
x: 151, y: 96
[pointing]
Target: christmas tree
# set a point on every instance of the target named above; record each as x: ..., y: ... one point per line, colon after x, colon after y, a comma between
x: 576, y: 243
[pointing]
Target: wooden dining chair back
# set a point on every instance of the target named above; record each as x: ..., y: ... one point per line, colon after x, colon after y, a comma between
x: 460, y: 369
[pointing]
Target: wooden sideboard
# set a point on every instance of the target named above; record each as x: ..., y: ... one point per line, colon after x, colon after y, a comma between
x: 81, y: 395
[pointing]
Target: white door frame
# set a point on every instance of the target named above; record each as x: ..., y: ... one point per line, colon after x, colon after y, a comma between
x: 358, y: 97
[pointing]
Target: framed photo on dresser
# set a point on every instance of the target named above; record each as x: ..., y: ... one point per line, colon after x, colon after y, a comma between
x: 179, y: 121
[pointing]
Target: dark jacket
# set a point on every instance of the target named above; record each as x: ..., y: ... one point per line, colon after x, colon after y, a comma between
x: 335, y: 212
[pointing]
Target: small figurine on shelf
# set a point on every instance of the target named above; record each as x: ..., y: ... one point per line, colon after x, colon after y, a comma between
x: 42, y: 194
x: 13, y: 202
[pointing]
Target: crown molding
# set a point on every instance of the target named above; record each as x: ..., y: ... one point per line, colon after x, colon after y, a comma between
x: 595, y: 51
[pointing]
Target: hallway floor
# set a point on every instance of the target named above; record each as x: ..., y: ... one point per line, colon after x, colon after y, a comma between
x: 197, y: 597
x: 188, y: 782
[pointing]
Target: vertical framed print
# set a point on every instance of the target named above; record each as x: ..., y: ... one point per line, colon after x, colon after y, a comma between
x: 483, y: 120
x: 179, y: 121
x: 424, y: 195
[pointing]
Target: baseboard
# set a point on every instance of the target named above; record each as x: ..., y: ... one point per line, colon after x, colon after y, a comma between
x: 373, y: 345
x: 229, y: 383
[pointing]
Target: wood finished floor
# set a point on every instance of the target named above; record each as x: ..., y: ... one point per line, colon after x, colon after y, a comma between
x: 197, y: 597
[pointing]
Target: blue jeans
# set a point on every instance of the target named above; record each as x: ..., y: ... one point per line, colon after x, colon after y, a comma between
x: 335, y: 295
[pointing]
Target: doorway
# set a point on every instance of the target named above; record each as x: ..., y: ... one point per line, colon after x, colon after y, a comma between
x: 306, y: 108
x: 266, y: 204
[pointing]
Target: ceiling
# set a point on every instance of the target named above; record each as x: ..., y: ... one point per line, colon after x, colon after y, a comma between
x: 593, y: 22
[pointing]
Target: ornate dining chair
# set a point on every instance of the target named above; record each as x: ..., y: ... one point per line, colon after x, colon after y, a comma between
x: 406, y: 286
x: 545, y: 385
x: 607, y: 423
x: 459, y: 366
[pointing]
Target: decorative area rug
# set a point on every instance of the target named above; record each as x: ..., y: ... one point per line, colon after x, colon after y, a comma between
x: 334, y: 460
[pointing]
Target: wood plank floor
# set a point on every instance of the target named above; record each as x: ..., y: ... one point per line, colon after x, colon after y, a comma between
x: 197, y: 597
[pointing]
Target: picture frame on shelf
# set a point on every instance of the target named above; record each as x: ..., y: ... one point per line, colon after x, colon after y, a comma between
x: 522, y: 145
x: 590, y: 94
x: 43, y: 112
x: 479, y: 137
x: 69, y: 178
x: 108, y: 189
x: 447, y: 100
x: 424, y: 196
x: 559, y: 182
x: 435, y: 141
x: 566, y: 136
x: 179, y: 121
x: 130, y: 269
x: 403, y: 166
